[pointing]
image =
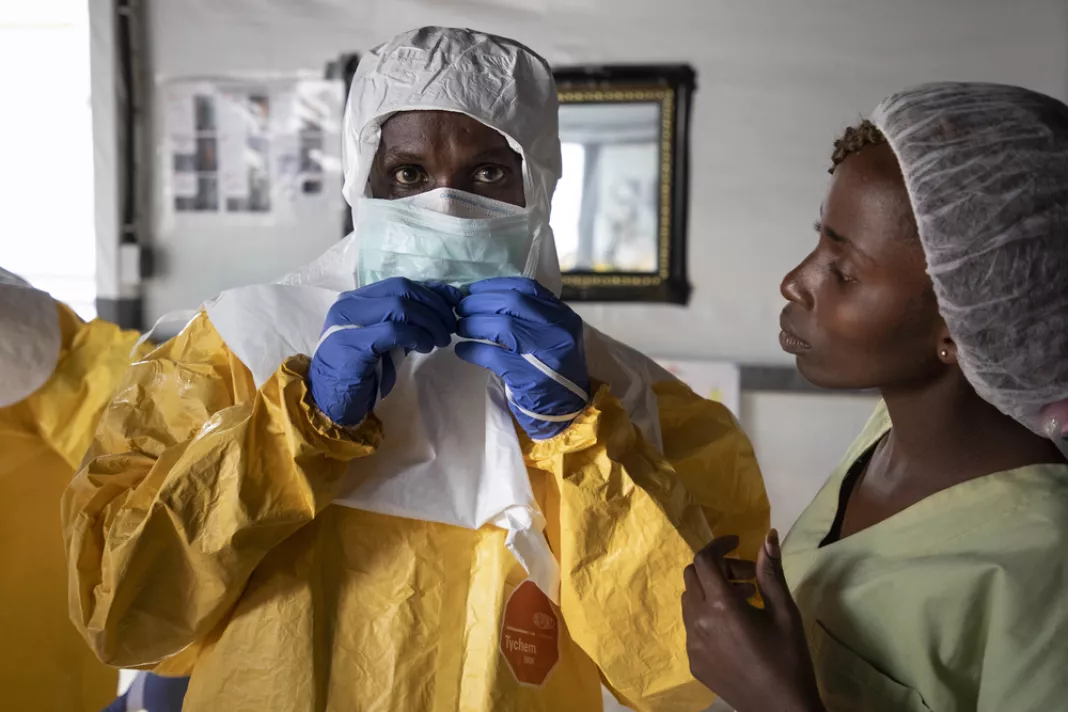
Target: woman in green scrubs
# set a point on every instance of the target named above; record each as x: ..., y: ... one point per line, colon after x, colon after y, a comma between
x: 931, y: 571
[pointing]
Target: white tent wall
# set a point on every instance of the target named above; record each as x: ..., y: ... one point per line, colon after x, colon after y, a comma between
x: 102, y: 67
x: 777, y: 81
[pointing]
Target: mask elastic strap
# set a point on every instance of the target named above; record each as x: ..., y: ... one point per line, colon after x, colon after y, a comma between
x: 135, y: 696
x: 562, y: 380
x: 397, y: 355
x: 330, y: 332
x: 537, y: 416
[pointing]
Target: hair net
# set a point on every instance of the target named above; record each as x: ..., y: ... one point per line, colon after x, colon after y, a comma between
x: 12, y: 278
x: 986, y: 167
x: 494, y: 80
x: 30, y: 338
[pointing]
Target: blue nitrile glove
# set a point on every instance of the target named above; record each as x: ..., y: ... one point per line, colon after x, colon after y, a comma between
x: 536, y: 349
x: 362, y: 328
x: 152, y: 693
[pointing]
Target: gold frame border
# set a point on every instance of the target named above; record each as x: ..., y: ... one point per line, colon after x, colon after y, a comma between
x: 666, y: 97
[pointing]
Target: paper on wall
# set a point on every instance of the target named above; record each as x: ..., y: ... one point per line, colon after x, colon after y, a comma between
x: 233, y: 138
x: 184, y: 185
x: 238, y: 147
x: 716, y: 380
x: 179, y: 110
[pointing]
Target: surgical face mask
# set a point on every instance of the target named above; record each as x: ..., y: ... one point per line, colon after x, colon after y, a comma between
x: 443, y: 235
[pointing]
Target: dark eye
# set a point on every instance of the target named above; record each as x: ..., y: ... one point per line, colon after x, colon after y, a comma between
x: 839, y: 274
x: 818, y: 227
x: 490, y: 174
x: 408, y: 175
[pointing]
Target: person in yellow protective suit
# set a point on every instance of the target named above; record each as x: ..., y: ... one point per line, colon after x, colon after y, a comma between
x: 56, y: 375
x: 929, y: 573
x: 243, y: 514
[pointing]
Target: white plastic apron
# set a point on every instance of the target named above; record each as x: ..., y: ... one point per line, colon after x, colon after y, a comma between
x: 450, y: 453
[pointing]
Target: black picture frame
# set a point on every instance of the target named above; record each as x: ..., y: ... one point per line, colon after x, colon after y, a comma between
x: 673, y: 86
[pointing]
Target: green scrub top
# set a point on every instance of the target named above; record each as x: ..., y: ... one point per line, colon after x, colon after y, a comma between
x: 959, y: 602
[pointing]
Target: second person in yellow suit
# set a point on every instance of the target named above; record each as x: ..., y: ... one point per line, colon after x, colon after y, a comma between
x: 56, y: 375
x: 224, y: 522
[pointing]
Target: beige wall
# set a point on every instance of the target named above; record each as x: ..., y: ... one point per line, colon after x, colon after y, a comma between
x: 777, y: 81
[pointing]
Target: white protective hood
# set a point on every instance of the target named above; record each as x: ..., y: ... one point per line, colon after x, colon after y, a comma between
x: 450, y: 453
x: 493, y: 80
x: 30, y: 338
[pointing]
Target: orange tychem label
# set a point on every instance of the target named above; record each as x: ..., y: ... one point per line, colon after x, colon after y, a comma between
x: 530, y: 634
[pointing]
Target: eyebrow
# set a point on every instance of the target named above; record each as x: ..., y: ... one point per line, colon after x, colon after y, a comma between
x: 841, y: 239
x: 398, y: 156
x: 500, y: 154
x: 837, y: 237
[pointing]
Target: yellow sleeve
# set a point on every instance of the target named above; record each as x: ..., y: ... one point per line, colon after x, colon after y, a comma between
x: 715, y: 461
x: 194, y: 475
x: 92, y: 360
x: 624, y: 529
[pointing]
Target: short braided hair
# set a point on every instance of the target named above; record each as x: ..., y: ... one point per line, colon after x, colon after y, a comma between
x: 854, y: 139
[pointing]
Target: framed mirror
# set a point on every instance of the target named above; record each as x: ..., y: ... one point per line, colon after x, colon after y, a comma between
x: 620, y: 210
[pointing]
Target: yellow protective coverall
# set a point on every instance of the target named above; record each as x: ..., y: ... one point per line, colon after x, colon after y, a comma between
x: 45, y: 665
x: 201, y: 535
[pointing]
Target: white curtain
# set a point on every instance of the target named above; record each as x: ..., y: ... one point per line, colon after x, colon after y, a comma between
x: 46, y: 149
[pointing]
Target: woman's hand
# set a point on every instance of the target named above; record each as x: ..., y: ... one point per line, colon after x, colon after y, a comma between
x: 756, y: 660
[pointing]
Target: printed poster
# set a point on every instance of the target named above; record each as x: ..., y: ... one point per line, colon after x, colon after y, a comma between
x: 253, y: 148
